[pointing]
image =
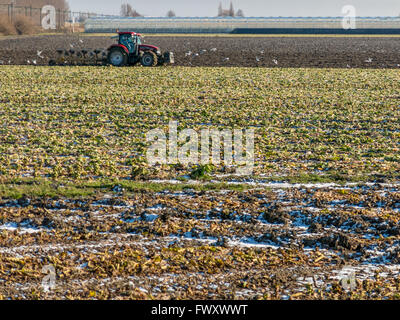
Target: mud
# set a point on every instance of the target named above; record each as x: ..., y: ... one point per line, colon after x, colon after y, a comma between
x: 273, y: 244
x: 294, y: 52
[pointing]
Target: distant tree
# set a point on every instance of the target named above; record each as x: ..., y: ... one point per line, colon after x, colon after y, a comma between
x: 240, y: 13
x: 226, y: 13
x: 220, y: 10
x: 231, y: 10
x: 124, y: 10
x: 128, y: 11
x: 171, y: 14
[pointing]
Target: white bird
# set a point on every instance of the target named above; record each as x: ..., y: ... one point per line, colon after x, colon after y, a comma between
x: 34, y: 61
x: 258, y: 59
x: 275, y: 61
x: 262, y: 51
x: 39, y: 54
x: 188, y: 53
x: 369, y: 60
x: 348, y: 66
x: 80, y: 40
x: 213, y: 49
x: 28, y: 61
x: 226, y: 59
x: 71, y: 45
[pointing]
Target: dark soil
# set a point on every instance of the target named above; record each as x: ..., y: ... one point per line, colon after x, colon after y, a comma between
x: 320, y: 52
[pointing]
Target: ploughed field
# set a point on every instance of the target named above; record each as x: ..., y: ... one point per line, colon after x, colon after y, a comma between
x: 321, y: 206
x: 214, y: 51
x: 276, y: 243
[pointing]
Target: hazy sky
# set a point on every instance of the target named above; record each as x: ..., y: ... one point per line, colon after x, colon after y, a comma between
x: 250, y: 7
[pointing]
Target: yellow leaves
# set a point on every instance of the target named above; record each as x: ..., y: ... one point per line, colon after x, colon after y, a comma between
x: 157, y: 259
x: 296, y: 295
x: 321, y: 256
x: 51, y: 119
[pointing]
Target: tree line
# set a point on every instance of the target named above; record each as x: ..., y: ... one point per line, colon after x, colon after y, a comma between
x: 229, y: 12
x: 128, y: 11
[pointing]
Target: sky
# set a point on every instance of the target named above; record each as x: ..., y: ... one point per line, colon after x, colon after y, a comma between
x: 265, y: 8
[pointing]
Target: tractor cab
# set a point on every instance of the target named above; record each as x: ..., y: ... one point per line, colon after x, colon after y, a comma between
x: 131, y: 49
x: 130, y: 40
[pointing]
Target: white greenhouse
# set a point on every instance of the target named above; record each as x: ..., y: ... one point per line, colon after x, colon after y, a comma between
x: 230, y: 25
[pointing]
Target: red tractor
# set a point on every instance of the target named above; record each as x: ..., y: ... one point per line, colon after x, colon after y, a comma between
x: 131, y: 50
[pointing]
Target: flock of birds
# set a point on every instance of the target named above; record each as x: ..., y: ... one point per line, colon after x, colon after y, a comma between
x: 39, y: 55
x: 34, y: 61
x: 187, y: 54
x: 258, y: 59
x: 191, y: 54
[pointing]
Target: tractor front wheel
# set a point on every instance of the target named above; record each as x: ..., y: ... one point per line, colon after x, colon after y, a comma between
x: 149, y: 59
x: 117, y: 57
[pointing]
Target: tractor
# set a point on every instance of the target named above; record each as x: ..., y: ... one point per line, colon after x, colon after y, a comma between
x: 131, y: 50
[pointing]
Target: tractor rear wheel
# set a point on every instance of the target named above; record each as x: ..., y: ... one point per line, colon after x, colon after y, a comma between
x: 149, y: 59
x: 117, y: 57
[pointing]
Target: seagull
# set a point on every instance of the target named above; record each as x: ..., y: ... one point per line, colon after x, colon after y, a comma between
x: 262, y: 51
x: 80, y: 40
x: 71, y: 45
x: 188, y: 53
x: 226, y: 59
x: 39, y: 54
x: 275, y: 61
x: 369, y: 60
x: 258, y: 59
x: 34, y: 61
x: 213, y: 49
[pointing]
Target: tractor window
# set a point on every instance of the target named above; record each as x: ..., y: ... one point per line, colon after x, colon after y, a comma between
x: 127, y: 41
x: 138, y: 40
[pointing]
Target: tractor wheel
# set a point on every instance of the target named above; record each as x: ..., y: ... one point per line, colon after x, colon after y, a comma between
x: 149, y: 59
x: 117, y: 57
